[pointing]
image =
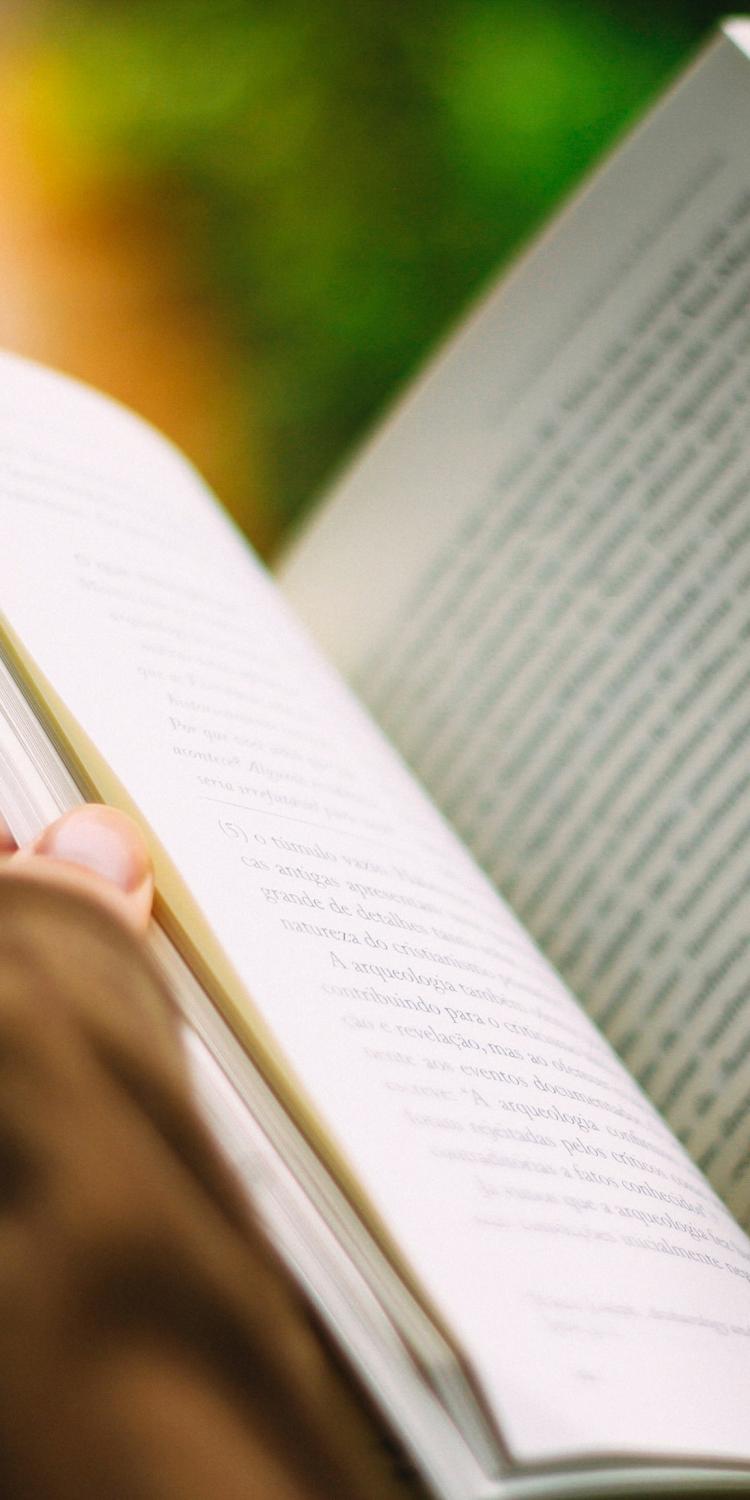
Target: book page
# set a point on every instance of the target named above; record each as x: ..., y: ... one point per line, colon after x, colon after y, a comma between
x: 545, y: 571
x: 581, y: 1261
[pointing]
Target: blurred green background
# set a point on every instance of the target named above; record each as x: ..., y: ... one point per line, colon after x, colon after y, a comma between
x: 325, y: 185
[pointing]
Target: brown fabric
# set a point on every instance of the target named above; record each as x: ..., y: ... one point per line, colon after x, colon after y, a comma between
x: 150, y: 1347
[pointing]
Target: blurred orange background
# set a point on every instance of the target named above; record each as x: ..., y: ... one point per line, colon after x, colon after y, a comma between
x: 249, y: 222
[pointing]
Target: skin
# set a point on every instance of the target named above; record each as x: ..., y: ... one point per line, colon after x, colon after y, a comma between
x: 95, y: 850
x: 101, y: 854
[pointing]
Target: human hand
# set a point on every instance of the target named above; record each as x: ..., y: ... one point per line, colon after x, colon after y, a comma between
x: 94, y: 850
x: 122, y: 1227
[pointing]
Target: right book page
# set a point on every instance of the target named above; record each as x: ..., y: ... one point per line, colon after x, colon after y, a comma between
x: 538, y: 578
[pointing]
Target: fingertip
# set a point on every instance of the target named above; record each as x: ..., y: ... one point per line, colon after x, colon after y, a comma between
x: 107, y: 845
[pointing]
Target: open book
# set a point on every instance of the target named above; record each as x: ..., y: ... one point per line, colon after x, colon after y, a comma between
x: 405, y: 990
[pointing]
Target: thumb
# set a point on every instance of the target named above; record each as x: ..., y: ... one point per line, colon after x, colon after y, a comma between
x: 97, y: 851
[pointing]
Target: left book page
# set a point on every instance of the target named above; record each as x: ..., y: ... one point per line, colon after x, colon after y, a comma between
x: 485, y: 1119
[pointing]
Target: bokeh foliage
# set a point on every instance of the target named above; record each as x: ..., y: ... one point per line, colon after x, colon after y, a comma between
x: 343, y: 176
